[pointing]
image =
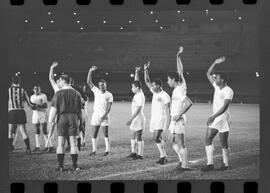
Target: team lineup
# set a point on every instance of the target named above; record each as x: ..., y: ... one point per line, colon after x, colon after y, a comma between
x: 68, y: 116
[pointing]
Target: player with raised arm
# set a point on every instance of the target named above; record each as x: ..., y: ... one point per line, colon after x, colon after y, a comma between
x: 54, y: 83
x: 100, y: 118
x: 16, y: 113
x: 180, y: 104
x: 39, y: 117
x: 137, y: 121
x: 160, y: 112
x: 219, y: 121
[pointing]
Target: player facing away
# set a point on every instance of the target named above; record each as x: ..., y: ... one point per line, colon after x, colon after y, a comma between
x: 180, y: 104
x: 160, y: 112
x: 137, y: 121
x: 39, y: 117
x: 16, y: 113
x: 66, y: 105
x: 219, y: 121
x: 102, y: 106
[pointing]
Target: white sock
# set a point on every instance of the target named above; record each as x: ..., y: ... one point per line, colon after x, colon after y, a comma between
x: 225, y: 155
x: 163, y: 148
x: 183, y: 153
x: 45, y: 139
x: 209, y: 154
x: 176, y: 149
x: 160, y: 148
x: 132, y: 142
x: 140, y: 148
x: 37, y: 140
x: 107, y: 144
x: 94, y: 144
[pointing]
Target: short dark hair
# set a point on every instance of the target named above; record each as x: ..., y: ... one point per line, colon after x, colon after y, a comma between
x: 65, y: 77
x: 37, y: 85
x: 158, y: 82
x: 175, y: 76
x: 223, y: 75
x: 137, y: 83
x: 15, y: 80
x: 102, y: 80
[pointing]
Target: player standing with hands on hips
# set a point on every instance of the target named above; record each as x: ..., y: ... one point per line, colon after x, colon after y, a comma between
x: 180, y: 104
x: 219, y: 121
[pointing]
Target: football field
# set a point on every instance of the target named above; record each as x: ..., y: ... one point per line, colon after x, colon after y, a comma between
x: 243, y: 142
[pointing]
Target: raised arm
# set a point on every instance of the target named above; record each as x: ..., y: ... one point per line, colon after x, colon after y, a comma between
x: 89, y: 77
x: 146, y: 75
x: 51, y: 74
x: 180, y: 69
x: 210, y: 70
x: 136, y: 77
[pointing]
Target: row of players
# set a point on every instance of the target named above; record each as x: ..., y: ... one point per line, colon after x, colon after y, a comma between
x: 166, y: 113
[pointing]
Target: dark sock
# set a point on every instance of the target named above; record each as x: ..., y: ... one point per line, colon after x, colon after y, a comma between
x: 79, y: 143
x: 10, y: 141
x: 74, y: 160
x: 60, y: 158
x: 27, y: 143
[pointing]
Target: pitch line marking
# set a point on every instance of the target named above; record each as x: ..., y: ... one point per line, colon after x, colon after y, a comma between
x: 165, y: 166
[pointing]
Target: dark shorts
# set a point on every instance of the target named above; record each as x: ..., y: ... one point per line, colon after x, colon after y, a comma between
x: 17, y: 117
x: 67, y: 125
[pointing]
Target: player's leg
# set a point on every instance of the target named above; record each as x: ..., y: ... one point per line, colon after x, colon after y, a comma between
x: 25, y: 137
x: 11, y: 128
x: 62, y: 132
x: 140, y: 142
x: 37, y: 137
x: 60, y: 151
x: 180, y: 141
x: 14, y: 136
x: 105, y: 130
x: 225, y: 149
x: 73, y: 133
x: 160, y: 145
x: 82, y: 133
x: 209, y: 148
x: 95, y: 130
x: 133, y: 145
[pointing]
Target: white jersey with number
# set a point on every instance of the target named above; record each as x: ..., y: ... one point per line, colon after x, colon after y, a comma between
x: 138, y: 122
x: 101, y: 103
x: 158, y: 110
x: 39, y: 115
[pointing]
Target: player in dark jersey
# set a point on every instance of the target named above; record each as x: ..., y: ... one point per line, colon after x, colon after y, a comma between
x: 66, y: 104
x: 16, y: 113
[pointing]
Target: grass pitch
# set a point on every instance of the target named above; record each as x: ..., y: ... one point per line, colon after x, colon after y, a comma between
x: 243, y: 140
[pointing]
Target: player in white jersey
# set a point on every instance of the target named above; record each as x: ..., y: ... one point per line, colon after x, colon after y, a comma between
x: 102, y: 105
x: 137, y: 121
x: 160, y: 112
x: 180, y: 104
x: 219, y: 121
x: 39, y: 117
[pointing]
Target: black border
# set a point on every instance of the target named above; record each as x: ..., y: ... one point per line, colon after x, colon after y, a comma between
x: 137, y: 186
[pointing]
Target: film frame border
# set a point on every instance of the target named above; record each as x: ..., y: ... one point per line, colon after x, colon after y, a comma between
x: 263, y: 182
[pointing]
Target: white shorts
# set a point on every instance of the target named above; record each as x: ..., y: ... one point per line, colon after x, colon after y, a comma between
x: 95, y: 121
x: 178, y: 127
x: 222, y: 124
x: 157, y: 124
x: 39, y: 117
x: 137, y: 124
